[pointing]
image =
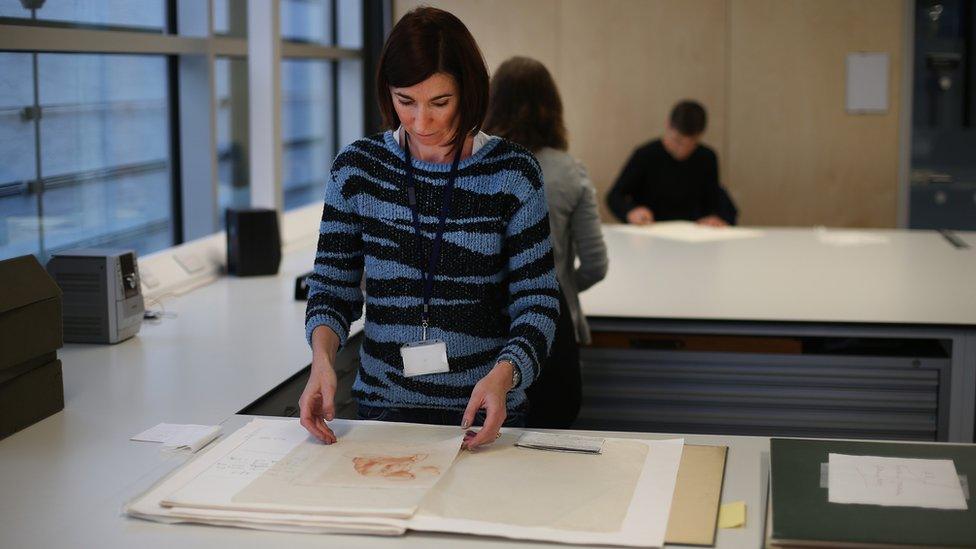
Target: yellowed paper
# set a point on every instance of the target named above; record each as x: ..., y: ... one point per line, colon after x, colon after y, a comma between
x: 380, y: 469
x: 524, y: 487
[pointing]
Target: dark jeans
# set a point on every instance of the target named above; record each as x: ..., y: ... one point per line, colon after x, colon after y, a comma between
x: 435, y: 416
x: 557, y: 394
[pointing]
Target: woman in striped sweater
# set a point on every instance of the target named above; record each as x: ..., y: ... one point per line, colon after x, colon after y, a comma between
x: 450, y: 227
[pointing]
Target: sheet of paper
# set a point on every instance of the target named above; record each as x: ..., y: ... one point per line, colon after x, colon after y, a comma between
x: 686, y: 231
x: 867, y: 82
x: 849, y: 238
x: 560, y: 442
x: 620, y: 497
x: 376, y: 469
x: 900, y: 482
x: 176, y: 436
x: 732, y: 515
x: 148, y: 505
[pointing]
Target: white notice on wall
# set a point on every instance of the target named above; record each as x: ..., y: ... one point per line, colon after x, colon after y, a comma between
x: 895, y: 482
x: 867, y: 82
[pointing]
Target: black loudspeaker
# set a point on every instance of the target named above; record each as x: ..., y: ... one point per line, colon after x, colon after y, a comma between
x: 253, y: 242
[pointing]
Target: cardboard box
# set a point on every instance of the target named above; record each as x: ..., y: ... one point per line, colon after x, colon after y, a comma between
x: 30, y: 312
x: 30, y: 392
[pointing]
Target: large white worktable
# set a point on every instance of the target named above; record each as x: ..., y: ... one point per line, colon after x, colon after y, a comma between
x: 788, y: 282
x: 788, y: 275
x: 65, y: 478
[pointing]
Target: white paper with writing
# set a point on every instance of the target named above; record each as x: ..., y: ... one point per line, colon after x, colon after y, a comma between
x: 896, y: 482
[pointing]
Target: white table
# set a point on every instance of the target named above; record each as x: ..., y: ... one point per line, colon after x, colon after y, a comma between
x: 788, y: 283
x: 65, y: 478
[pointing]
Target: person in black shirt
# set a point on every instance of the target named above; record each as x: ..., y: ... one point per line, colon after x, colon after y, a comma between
x: 674, y: 177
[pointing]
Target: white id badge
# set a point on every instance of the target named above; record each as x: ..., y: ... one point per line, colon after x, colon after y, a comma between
x: 424, y: 357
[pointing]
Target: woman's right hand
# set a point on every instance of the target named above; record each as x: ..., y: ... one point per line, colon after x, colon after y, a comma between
x: 317, y: 403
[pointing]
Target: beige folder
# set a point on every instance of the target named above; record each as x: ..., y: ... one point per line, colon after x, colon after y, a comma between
x: 694, y: 509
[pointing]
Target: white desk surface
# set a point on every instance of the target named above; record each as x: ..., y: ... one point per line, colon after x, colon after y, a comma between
x: 787, y: 275
x: 65, y: 479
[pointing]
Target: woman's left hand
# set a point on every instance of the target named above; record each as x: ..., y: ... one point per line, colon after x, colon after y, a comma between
x: 490, y: 393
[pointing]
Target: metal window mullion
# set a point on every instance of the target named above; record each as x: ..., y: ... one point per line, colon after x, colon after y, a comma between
x: 197, y: 125
x: 222, y: 46
x: 44, y: 39
x: 264, y: 51
x: 315, y: 51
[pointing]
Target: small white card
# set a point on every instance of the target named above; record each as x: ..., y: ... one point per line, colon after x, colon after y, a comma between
x: 560, y: 443
x: 424, y: 357
x: 894, y: 482
x: 180, y: 436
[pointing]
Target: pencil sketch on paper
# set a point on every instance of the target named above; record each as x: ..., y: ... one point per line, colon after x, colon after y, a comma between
x: 904, y: 482
x: 394, y: 467
x: 894, y: 478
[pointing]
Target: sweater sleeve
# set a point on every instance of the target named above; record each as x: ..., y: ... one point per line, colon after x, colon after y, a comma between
x: 713, y: 193
x: 584, y: 225
x: 334, y: 297
x: 533, y: 304
x: 620, y: 199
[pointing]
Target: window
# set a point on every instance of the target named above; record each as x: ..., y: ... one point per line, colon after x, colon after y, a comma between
x: 230, y: 18
x: 233, y: 190
x: 307, y: 130
x: 147, y: 15
x: 92, y: 150
x: 19, y: 217
x: 307, y: 21
x: 322, y: 96
x: 141, y: 141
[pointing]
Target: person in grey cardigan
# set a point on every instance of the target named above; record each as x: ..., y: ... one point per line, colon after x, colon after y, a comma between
x: 524, y: 106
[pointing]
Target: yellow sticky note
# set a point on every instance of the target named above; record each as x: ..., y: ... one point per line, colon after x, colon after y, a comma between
x: 732, y: 515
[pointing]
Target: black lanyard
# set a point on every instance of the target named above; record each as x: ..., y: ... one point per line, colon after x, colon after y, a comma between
x: 435, y: 250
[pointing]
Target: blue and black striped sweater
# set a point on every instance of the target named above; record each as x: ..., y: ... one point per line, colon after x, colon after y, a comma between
x: 495, y: 292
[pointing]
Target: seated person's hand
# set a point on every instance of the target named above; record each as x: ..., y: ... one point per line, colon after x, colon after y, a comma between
x: 640, y: 216
x: 712, y: 221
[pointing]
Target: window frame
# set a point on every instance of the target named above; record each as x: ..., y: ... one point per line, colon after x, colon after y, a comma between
x: 191, y: 47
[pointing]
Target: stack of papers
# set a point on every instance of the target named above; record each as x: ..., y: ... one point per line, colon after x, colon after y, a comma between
x: 186, y: 437
x: 849, y: 238
x: 686, y: 231
x: 560, y: 443
x: 386, y: 478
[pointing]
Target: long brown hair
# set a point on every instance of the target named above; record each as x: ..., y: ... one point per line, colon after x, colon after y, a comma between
x: 427, y: 41
x: 524, y: 106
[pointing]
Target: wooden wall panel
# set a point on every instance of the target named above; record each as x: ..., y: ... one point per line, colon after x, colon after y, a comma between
x: 624, y: 65
x: 770, y: 73
x: 795, y: 156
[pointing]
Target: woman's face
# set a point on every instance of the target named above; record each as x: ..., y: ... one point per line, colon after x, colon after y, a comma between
x: 428, y: 111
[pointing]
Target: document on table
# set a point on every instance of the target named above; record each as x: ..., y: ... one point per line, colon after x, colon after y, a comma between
x: 560, y: 442
x: 686, y: 231
x: 376, y: 469
x: 256, y: 447
x: 849, y: 238
x: 180, y: 436
x: 894, y: 482
x: 271, y: 475
x: 619, y: 497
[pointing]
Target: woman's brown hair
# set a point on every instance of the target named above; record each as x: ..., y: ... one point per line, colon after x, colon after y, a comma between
x: 525, y: 107
x: 427, y: 41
